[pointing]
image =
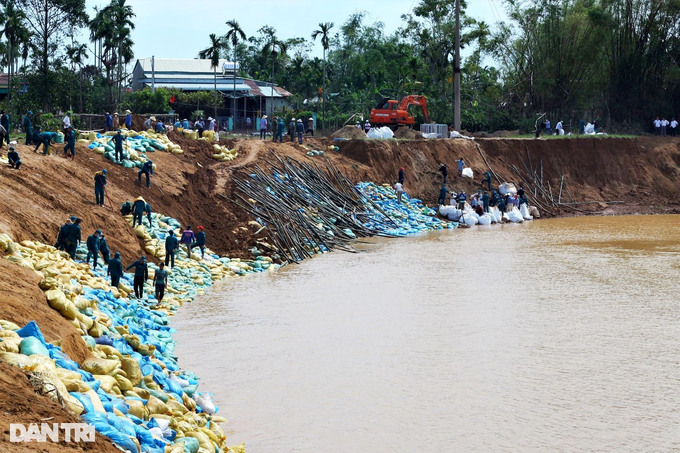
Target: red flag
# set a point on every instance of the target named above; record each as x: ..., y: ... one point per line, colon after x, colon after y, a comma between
x: 172, y: 99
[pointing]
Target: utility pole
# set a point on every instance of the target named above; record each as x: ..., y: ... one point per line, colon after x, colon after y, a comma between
x: 153, y: 74
x: 456, y: 72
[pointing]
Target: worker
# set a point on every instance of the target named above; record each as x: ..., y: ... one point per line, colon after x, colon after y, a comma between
x: 147, y: 170
x: 501, y: 204
x: 479, y: 210
x: 28, y: 128
x: 461, y: 200
x: 581, y: 126
x: 187, y: 239
x: 300, y: 128
x: 160, y: 281
x: 108, y: 123
x: 485, y: 201
x: 461, y: 166
x: 141, y: 275
x: 147, y: 208
x: 559, y: 130
x: 160, y: 127
x: 4, y: 121
x: 46, y: 138
x: 275, y: 128
x: 210, y: 126
x: 494, y: 198
x: 520, y: 192
x: 73, y: 235
x: 310, y: 126
x: 118, y: 146
x: 399, y: 190
x: 115, y: 270
x: 185, y: 124
x: 70, y: 146
x: 359, y: 126
x: 524, y: 200
x: 104, y: 248
x: 444, y: 171
x: 128, y: 119
x: 474, y: 199
x: 171, y: 245
x: 137, y: 211
x: 3, y: 135
x: 442, y: 195
x: 263, y: 127
x: 200, y: 241
x: 367, y: 126
x: 487, y: 180
x: 200, y: 127
x: 177, y: 124
x: 100, y: 186
x: 67, y: 122
x: 291, y: 129
x: 116, y: 122
x: 61, y: 236
x: 401, y: 175
x: 93, y: 247
x: 13, y: 158
x: 146, y: 125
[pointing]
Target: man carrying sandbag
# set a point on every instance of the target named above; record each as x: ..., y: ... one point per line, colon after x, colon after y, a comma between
x: 93, y: 248
x: 45, y: 139
x: 141, y: 275
x: 138, y: 208
x: 171, y: 245
x: 188, y: 237
x: 160, y: 281
x: 115, y: 270
x: 99, y: 187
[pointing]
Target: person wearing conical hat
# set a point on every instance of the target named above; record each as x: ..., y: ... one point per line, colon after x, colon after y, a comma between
x: 128, y: 119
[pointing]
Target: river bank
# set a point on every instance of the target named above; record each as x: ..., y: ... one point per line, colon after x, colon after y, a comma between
x: 196, y: 189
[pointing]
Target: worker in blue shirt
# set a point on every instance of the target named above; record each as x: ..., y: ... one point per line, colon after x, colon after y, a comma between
x: 70, y: 140
x: 485, y: 201
x: 442, y: 195
x: 147, y: 169
x: 109, y: 122
x: 185, y: 124
x: 128, y: 119
x: 462, y: 198
x: 487, y: 180
x: 46, y: 138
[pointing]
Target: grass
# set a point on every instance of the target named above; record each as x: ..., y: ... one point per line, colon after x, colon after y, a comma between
x: 574, y: 136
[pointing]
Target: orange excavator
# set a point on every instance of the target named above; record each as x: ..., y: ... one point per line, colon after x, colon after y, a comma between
x: 394, y: 114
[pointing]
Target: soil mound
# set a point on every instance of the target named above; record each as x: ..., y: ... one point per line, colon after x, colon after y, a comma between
x: 408, y: 133
x: 349, y: 132
x: 506, y: 134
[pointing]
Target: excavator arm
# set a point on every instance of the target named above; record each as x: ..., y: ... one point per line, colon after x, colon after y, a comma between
x: 415, y: 100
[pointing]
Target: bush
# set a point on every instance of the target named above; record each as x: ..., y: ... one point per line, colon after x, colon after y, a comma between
x: 146, y: 102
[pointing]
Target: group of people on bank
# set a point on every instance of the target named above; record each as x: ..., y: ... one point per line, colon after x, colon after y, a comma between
x: 295, y: 128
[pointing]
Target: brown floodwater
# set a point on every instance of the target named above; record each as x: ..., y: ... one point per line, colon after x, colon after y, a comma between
x: 554, y: 335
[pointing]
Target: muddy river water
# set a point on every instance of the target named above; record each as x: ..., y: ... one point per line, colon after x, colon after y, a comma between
x: 554, y: 335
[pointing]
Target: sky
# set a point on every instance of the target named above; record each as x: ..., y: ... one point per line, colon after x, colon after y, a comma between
x: 180, y: 28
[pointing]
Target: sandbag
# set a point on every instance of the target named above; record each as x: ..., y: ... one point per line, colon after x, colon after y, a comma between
x: 486, y: 219
x: 99, y: 366
x: 534, y: 212
x: 454, y: 214
x: 467, y: 172
x: 515, y: 216
x: 470, y: 220
x: 10, y: 344
x: 507, y: 188
x: 132, y: 369
x: 31, y: 345
x: 205, y: 403
x: 58, y: 301
x: 525, y: 212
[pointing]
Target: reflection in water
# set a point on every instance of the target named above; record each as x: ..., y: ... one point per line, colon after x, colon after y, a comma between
x: 556, y: 335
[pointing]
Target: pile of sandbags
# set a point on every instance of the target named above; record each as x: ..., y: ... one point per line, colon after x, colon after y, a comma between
x: 222, y: 153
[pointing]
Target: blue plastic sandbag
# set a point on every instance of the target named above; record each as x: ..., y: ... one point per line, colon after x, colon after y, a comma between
x: 62, y: 360
x: 31, y: 330
x: 84, y: 400
x: 116, y: 436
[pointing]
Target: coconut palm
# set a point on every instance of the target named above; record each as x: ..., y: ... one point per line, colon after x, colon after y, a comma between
x: 17, y: 34
x: 274, y: 48
x: 323, y: 31
x: 212, y: 53
x: 120, y: 16
x: 234, y: 34
x: 78, y: 54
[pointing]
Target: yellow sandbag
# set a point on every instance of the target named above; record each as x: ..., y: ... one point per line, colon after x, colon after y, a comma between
x: 73, y: 404
x: 132, y: 369
x: 96, y: 401
x: 96, y: 330
x: 143, y: 393
x: 18, y: 360
x: 174, y: 405
x: 9, y: 334
x: 140, y: 231
x: 211, y: 435
x: 156, y: 406
x: 74, y: 385
x: 136, y: 408
x: 58, y: 301
x: 99, y: 366
x: 110, y: 351
x: 10, y: 344
x: 240, y: 448
x: 7, y: 325
x: 107, y: 382
x: 124, y: 384
x: 189, y: 402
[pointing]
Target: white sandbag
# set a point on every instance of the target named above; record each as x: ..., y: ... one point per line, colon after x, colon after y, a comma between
x: 486, y: 219
x: 467, y: 172
x: 380, y: 133
x: 444, y: 210
x: 534, y: 212
x: 387, y: 132
x: 515, y: 216
x: 507, y: 188
x: 374, y: 133
x: 470, y: 220
x: 525, y: 212
x: 456, y: 134
x: 432, y: 135
x: 496, y: 214
x: 589, y: 129
x: 454, y: 214
x: 205, y: 403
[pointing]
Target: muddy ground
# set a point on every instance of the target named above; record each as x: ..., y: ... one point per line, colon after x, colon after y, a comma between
x: 197, y: 190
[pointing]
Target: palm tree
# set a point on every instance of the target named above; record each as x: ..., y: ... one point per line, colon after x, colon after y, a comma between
x: 323, y: 31
x: 212, y: 53
x: 17, y: 34
x: 78, y: 55
x: 235, y: 34
x: 121, y: 16
x: 273, y: 47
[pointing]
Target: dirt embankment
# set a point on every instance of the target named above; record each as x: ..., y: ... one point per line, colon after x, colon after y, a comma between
x: 197, y: 190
